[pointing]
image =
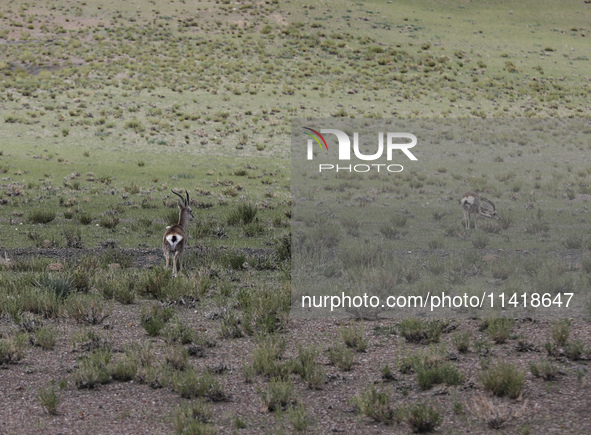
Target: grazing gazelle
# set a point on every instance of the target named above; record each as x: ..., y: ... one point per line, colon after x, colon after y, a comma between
x: 175, y: 237
x: 477, y: 205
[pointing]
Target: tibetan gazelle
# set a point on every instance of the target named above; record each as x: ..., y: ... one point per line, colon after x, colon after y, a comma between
x: 478, y: 206
x: 175, y: 237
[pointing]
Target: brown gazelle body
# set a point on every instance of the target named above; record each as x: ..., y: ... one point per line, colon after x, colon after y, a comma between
x: 478, y: 206
x: 175, y: 237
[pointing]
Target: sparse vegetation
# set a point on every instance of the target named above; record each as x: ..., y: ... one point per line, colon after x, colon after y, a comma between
x: 154, y: 319
x: 41, y: 216
x: 107, y: 107
x: 503, y: 379
x: 423, y: 417
x: 421, y: 331
x: 49, y: 399
x: 375, y: 405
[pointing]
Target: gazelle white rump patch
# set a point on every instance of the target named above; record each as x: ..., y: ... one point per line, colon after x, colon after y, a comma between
x: 173, y: 240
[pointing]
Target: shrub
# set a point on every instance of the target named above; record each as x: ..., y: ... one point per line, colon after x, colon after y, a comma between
x: 85, y: 219
x: 253, y: 229
x: 544, y: 369
x: 115, y: 256
x: 480, y: 241
x: 87, y: 308
x: 80, y: 279
x: 352, y: 335
x: 155, y: 318
x: 503, y: 379
x: 243, y: 214
x: 44, y: 337
x: 461, y: 341
x: 109, y: 222
x: 119, y: 289
x: 58, y: 284
x: 435, y: 244
x: 299, y: 418
x: 73, y: 238
x: 421, y: 331
x: 390, y: 232
x: 93, y: 369
x: 230, y: 325
x: 499, y: 329
x: 502, y: 268
x: 189, y: 385
x: 12, y: 351
x: 172, y: 217
x: 265, y: 309
x: 342, y: 357
x: 560, y: 331
x: 125, y: 369
x: 305, y: 365
x: 351, y: 225
x: 41, y: 216
x: 279, y: 395
x: 193, y: 418
x: 446, y: 373
x: 495, y: 413
x: 574, y: 350
x: 423, y: 418
x: 39, y: 300
x: 135, y: 125
x: 375, y: 405
x: 387, y: 373
x: 89, y: 340
x: 573, y: 242
x: 283, y: 248
x: 235, y: 260
x: 155, y: 283
x: 139, y: 363
x: 49, y: 399
x: 177, y: 357
x: 267, y: 358
x: 177, y: 331
x: 398, y: 221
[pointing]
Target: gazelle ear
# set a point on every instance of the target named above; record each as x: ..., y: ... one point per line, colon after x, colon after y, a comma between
x: 187, y: 200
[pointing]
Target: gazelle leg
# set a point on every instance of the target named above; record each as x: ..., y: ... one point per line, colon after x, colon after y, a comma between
x: 166, y: 265
x: 174, y: 266
x: 177, y: 260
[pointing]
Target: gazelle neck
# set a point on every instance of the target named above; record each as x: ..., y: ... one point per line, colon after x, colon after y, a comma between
x: 183, y: 218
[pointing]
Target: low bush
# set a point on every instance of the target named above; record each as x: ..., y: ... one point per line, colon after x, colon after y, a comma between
x: 503, y: 379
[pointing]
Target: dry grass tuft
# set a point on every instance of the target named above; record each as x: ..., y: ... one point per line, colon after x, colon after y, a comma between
x: 495, y: 413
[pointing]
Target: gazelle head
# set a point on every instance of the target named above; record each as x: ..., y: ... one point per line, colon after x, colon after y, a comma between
x: 184, y: 205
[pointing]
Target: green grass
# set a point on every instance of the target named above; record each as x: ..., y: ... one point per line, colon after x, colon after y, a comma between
x: 279, y: 396
x: 156, y: 318
x: 503, y: 379
x: 420, y: 331
x: 94, y: 369
x: 375, y: 404
x: 189, y: 384
x: 49, y: 399
x: 423, y: 417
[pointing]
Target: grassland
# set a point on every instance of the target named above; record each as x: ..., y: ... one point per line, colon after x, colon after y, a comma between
x: 375, y: 231
x: 106, y: 107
